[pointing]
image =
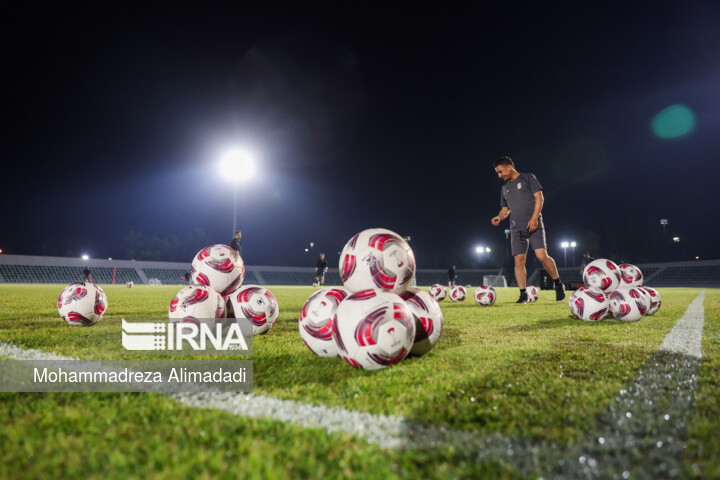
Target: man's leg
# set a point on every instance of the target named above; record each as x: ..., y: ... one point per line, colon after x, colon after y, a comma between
x: 520, y: 272
x: 549, y: 265
x: 322, y: 281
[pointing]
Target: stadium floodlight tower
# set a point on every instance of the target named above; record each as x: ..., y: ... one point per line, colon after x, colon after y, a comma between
x: 237, y: 166
x: 573, y: 245
x: 663, y: 222
x: 565, y: 246
x: 85, y: 257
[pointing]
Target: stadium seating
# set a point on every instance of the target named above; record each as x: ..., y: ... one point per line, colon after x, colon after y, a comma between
x: 26, y: 269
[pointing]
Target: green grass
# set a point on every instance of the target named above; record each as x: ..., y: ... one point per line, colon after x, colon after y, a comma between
x: 527, y: 371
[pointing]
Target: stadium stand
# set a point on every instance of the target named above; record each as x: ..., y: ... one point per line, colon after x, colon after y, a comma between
x: 31, y: 269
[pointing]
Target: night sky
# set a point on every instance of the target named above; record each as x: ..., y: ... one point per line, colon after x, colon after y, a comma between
x: 359, y: 117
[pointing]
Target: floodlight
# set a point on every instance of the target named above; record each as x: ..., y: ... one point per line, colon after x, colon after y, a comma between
x: 676, y: 239
x: 487, y: 249
x: 237, y: 165
x: 478, y: 249
x: 564, y: 244
x: 85, y: 257
x: 573, y: 244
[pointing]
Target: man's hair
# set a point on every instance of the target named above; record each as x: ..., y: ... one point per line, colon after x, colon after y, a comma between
x: 239, y: 231
x: 504, y: 161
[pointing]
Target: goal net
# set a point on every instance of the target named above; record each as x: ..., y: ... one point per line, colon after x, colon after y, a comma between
x: 154, y: 281
x: 494, y: 281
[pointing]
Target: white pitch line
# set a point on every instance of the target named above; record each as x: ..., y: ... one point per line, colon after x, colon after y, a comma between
x: 686, y: 335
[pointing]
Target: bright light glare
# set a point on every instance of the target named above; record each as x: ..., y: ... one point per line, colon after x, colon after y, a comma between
x: 237, y: 165
x: 487, y: 249
x: 573, y: 244
x: 676, y: 239
x: 564, y: 244
x: 85, y: 257
x: 479, y: 249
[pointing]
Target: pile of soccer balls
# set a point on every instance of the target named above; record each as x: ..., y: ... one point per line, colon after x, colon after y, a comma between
x: 613, y: 290
x: 378, y: 318
x: 217, y: 293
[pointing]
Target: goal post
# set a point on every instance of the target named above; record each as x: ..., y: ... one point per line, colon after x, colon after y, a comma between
x: 494, y: 281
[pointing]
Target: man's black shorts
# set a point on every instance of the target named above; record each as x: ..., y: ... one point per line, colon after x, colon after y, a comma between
x: 519, y: 241
x: 319, y: 272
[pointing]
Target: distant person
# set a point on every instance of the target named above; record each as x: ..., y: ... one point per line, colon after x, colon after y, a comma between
x: 586, y: 259
x: 451, y: 276
x: 236, y: 244
x: 187, y: 278
x: 522, y: 200
x: 321, y: 267
x: 86, y: 274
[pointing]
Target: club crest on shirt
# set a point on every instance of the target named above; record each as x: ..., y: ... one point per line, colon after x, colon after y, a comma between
x: 519, y: 186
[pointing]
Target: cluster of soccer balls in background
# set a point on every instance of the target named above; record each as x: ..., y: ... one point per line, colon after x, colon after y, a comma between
x: 216, y: 295
x: 484, y: 296
x: 613, y: 290
x: 377, y: 319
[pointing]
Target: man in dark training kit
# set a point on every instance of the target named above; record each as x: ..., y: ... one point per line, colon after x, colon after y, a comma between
x: 521, y: 199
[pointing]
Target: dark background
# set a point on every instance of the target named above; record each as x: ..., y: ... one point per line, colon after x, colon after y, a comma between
x: 359, y: 116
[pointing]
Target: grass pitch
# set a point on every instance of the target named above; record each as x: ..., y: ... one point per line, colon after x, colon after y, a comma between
x: 524, y: 371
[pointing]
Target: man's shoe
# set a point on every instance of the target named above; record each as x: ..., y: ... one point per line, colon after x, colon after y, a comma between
x: 523, y: 298
x: 560, y: 292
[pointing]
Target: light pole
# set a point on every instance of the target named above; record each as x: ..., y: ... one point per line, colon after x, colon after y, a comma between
x: 237, y: 166
x: 564, y: 246
x: 573, y: 245
x: 663, y: 222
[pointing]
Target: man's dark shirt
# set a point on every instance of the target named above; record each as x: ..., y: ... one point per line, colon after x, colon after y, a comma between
x: 236, y: 245
x: 321, y: 265
x: 451, y: 273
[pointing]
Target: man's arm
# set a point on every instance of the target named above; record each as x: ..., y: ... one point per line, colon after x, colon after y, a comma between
x: 504, y: 212
x: 539, y: 201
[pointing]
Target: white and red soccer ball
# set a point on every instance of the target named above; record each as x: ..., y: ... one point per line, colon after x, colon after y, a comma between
x: 129, y: 284
x: 219, y: 267
x: 458, y: 293
x: 485, y: 296
x: 532, y: 294
x: 256, y: 304
x: 602, y: 274
x: 630, y: 275
x: 317, y: 318
x: 373, y: 329
x: 628, y: 304
x: 655, y: 300
x: 196, y: 303
x: 438, y: 292
x: 428, y: 319
x: 82, y: 304
x: 377, y: 258
x: 589, y: 304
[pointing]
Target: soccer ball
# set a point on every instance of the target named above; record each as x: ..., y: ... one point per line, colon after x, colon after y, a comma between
x: 428, y: 319
x: 655, y: 300
x: 627, y: 304
x: 316, y: 320
x: 630, y: 275
x: 195, y: 303
x: 218, y: 266
x: 602, y: 274
x: 458, y: 293
x: 129, y: 284
x: 373, y: 329
x: 532, y: 294
x: 438, y: 292
x: 82, y: 304
x: 256, y: 304
x: 377, y: 258
x: 485, y: 296
x: 589, y: 304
